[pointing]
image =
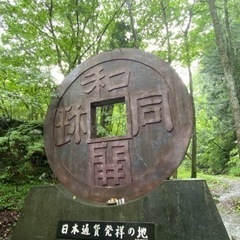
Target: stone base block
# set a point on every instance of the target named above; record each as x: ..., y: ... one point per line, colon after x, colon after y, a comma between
x: 179, y: 209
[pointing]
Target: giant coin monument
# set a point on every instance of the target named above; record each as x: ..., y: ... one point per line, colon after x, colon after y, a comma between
x: 117, y: 128
x: 158, y: 124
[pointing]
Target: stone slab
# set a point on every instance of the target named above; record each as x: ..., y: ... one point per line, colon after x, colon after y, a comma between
x: 179, y: 209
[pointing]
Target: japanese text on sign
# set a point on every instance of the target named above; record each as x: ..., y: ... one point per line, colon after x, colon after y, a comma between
x: 105, y: 230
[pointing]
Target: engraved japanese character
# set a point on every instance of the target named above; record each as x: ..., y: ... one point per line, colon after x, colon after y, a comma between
x: 150, y: 107
x: 131, y: 231
x: 142, y: 233
x: 75, y: 229
x: 119, y: 232
x: 108, y: 230
x: 97, y: 78
x: 85, y: 229
x: 111, y: 163
x: 64, y: 229
x: 70, y: 121
x: 118, y: 79
x: 96, y: 230
x: 94, y: 79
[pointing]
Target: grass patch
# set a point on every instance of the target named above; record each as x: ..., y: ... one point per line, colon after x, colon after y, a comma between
x: 12, y: 198
x: 216, y: 183
x: 185, y: 173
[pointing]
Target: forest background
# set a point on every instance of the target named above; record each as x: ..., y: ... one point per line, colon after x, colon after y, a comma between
x: 43, y: 40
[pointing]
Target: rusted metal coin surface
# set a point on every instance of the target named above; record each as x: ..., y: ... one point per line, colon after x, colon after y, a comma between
x: 155, y: 126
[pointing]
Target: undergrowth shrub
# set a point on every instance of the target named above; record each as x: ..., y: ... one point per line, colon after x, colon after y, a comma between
x: 22, y: 155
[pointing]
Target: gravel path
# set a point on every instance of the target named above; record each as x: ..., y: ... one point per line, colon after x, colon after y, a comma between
x: 227, y: 199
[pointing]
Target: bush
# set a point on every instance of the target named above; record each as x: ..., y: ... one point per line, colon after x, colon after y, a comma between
x: 234, y: 163
x: 214, y: 153
x: 12, y: 199
x: 22, y: 153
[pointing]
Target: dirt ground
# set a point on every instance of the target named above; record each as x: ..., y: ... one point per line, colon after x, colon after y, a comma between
x: 8, y: 220
x: 226, y: 199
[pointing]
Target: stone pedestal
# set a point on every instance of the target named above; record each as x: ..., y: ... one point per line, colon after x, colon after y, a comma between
x: 179, y: 209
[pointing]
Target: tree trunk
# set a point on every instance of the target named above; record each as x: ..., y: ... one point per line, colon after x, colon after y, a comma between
x: 227, y: 67
x: 194, y: 131
x: 168, y: 34
x: 134, y: 32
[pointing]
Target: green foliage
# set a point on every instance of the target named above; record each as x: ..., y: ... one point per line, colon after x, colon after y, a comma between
x: 22, y: 153
x: 214, y: 150
x: 37, y: 36
x: 215, y: 128
x: 62, y: 33
x: 111, y: 120
x: 25, y: 90
x: 214, y: 156
x: 234, y: 163
x: 12, y: 199
x: 121, y: 36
